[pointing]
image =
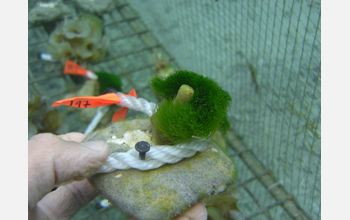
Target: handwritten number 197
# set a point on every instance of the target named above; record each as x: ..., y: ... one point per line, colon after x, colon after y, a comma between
x: 78, y: 103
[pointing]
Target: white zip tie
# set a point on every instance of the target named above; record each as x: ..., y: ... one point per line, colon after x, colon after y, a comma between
x: 156, y: 157
x: 46, y: 57
x: 101, y: 111
x: 91, y: 75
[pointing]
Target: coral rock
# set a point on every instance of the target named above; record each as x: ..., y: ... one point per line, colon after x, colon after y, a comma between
x: 79, y: 40
x: 47, y: 12
x: 165, y: 192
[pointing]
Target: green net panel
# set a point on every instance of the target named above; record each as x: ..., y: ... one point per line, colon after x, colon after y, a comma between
x: 266, y: 54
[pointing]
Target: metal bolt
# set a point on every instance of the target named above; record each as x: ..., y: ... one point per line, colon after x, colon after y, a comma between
x: 142, y: 147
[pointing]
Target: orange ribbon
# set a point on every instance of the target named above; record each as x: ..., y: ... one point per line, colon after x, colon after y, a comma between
x: 74, y: 69
x: 97, y: 101
x: 121, y: 113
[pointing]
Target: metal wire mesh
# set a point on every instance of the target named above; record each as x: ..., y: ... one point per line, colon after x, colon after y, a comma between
x: 265, y: 53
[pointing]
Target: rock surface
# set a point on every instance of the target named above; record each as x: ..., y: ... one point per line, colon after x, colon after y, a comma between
x: 165, y: 192
x: 44, y: 13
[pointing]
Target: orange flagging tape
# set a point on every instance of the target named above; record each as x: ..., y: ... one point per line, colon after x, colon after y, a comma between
x: 121, y: 113
x: 89, y: 101
x: 97, y: 101
x: 74, y: 69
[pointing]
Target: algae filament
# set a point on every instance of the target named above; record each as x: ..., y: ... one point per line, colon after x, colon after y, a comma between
x: 201, y: 116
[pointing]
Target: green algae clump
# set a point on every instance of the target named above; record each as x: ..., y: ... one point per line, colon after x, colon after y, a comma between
x: 108, y: 80
x: 201, y: 116
x: 80, y: 40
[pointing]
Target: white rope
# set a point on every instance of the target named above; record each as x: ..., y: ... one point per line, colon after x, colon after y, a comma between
x: 131, y: 102
x: 138, y: 104
x: 156, y: 157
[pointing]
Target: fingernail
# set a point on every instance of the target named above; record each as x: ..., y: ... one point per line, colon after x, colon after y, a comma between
x: 96, y: 145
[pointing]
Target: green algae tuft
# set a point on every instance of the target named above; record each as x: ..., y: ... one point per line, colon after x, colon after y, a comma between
x: 201, y: 116
x: 108, y: 80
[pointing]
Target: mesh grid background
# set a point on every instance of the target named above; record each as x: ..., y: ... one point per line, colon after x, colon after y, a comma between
x: 266, y: 54
x: 280, y: 122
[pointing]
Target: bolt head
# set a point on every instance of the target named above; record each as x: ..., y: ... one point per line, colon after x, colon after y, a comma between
x: 142, y: 146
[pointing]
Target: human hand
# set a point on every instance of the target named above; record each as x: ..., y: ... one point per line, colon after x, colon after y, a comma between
x: 53, y: 160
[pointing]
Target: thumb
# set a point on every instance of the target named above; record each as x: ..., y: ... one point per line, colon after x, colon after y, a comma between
x: 52, y: 161
x: 78, y: 161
